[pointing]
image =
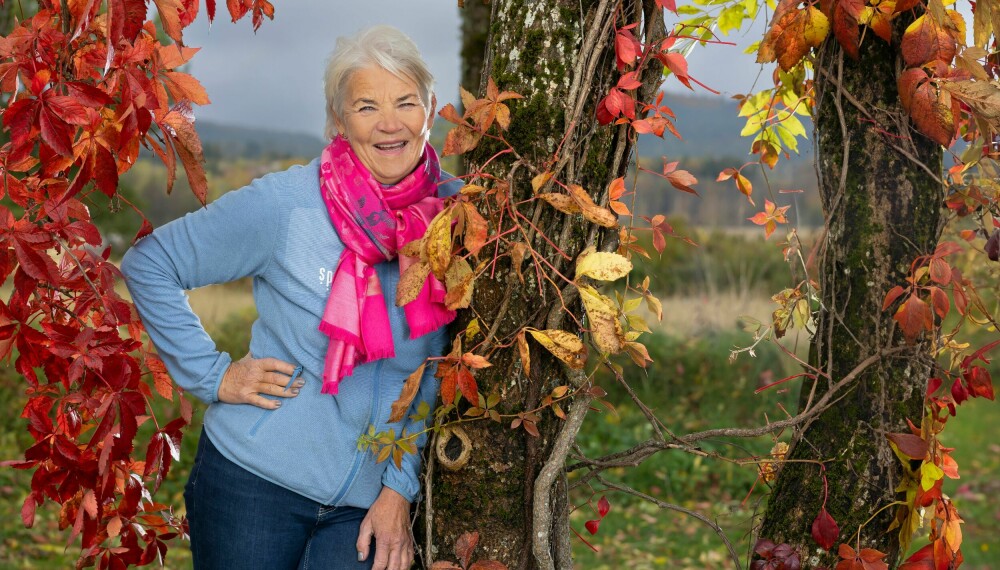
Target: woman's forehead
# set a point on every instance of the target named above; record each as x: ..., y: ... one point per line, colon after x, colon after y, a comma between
x: 378, y: 83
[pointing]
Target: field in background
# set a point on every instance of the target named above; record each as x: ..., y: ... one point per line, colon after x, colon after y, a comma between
x: 691, y: 385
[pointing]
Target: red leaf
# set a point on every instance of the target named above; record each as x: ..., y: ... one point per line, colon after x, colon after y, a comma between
x: 845, y: 25
x: 980, y: 383
x: 993, y: 246
x: 37, y: 264
x: 891, y: 296
x: 940, y: 301
x: 467, y: 385
x: 28, y: 511
x: 958, y: 391
x: 592, y: 526
x: 825, y: 530
x: 210, y: 8
x: 603, y: 506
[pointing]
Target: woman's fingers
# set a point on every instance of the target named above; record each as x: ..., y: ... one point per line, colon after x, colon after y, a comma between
x: 246, y: 380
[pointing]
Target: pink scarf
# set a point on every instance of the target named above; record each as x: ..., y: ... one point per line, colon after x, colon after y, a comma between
x: 374, y: 223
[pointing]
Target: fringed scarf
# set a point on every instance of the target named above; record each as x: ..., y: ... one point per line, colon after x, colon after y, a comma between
x: 374, y: 223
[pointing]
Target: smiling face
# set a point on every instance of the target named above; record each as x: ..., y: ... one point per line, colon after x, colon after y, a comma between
x: 385, y: 122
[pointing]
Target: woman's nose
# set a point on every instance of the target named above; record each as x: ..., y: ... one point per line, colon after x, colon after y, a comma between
x: 389, y: 121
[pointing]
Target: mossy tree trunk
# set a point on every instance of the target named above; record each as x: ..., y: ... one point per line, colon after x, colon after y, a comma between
x: 561, y: 59
x: 882, y: 210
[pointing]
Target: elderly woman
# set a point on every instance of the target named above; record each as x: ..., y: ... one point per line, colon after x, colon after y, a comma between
x: 278, y: 481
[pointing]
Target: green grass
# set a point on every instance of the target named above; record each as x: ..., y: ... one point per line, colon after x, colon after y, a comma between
x: 691, y: 385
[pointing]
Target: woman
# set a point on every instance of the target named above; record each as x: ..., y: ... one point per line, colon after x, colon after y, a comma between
x: 278, y: 480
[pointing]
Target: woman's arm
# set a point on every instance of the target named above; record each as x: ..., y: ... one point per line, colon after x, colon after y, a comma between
x: 229, y: 239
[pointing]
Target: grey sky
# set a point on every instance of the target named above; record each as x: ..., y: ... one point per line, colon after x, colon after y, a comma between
x: 274, y: 79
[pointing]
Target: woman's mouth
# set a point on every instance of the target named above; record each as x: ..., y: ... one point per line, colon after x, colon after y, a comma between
x: 390, y: 146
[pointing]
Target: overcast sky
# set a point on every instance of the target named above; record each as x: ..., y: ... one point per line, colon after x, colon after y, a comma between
x: 274, y: 79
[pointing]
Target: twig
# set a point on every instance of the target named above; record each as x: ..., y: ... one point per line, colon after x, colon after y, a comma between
x: 664, y: 505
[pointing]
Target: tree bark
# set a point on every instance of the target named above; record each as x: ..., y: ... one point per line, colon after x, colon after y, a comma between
x: 562, y: 60
x: 882, y: 210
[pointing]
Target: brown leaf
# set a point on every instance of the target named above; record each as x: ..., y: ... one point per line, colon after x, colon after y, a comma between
x: 406, y: 395
x: 524, y: 352
x: 605, y: 327
x: 488, y: 565
x: 590, y: 210
x: 913, y: 446
x: 982, y: 96
x: 179, y: 127
x: 464, y: 547
x: 444, y: 565
x: 459, y: 280
x: 411, y: 283
x: 517, y: 253
x: 791, y: 35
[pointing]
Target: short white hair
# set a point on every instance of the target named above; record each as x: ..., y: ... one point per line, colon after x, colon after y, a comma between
x: 378, y: 46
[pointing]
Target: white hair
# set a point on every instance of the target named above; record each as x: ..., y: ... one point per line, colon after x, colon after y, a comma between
x: 378, y: 46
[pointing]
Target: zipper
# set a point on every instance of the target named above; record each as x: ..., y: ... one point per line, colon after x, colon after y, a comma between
x: 349, y: 481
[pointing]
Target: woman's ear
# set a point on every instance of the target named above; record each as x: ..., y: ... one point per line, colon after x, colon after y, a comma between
x: 432, y: 111
x: 339, y: 123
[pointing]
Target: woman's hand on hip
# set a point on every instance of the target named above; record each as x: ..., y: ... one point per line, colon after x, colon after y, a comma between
x: 388, y: 520
x: 247, y: 379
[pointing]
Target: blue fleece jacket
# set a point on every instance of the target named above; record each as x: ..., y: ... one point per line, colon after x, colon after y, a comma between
x: 277, y: 231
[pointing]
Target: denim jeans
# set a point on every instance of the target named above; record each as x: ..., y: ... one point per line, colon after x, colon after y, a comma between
x: 240, y: 521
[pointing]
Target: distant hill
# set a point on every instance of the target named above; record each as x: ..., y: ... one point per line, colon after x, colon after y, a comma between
x: 710, y: 128
x: 228, y: 141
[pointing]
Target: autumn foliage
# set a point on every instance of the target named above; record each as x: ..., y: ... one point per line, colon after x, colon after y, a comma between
x: 86, y: 85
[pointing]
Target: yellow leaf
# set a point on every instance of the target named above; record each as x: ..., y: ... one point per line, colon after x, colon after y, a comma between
x: 471, y: 330
x: 602, y: 265
x: 406, y: 395
x: 605, y: 328
x: 438, y: 240
x: 564, y: 345
x: 561, y: 202
x: 525, y: 352
x: 539, y: 181
x: 459, y: 281
x: 654, y: 305
x: 929, y: 474
x: 816, y: 27
x: 472, y: 189
x: 411, y: 283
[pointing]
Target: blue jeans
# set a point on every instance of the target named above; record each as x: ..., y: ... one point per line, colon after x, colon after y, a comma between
x: 239, y: 521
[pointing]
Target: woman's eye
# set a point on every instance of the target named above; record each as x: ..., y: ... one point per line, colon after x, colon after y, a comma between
x: 366, y: 109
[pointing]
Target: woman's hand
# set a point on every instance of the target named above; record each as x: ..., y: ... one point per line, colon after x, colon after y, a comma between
x: 246, y: 379
x: 388, y: 520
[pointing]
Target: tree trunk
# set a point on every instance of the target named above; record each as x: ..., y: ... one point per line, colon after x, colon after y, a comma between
x: 882, y: 210
x: 562, y: 61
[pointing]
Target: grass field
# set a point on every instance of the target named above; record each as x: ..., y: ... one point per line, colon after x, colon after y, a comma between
x: 692, y: 386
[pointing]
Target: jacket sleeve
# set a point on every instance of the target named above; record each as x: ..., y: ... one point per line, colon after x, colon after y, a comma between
x: 231, y: 238
x: 406, y: 479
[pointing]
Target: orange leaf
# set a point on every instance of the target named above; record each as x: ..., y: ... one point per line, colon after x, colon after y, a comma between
x: 524, y: 352
x: 561, y: 202
x: 925, y: 40
x: 476, y: 229
x: 590, y: 210
x: 914, y: 316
